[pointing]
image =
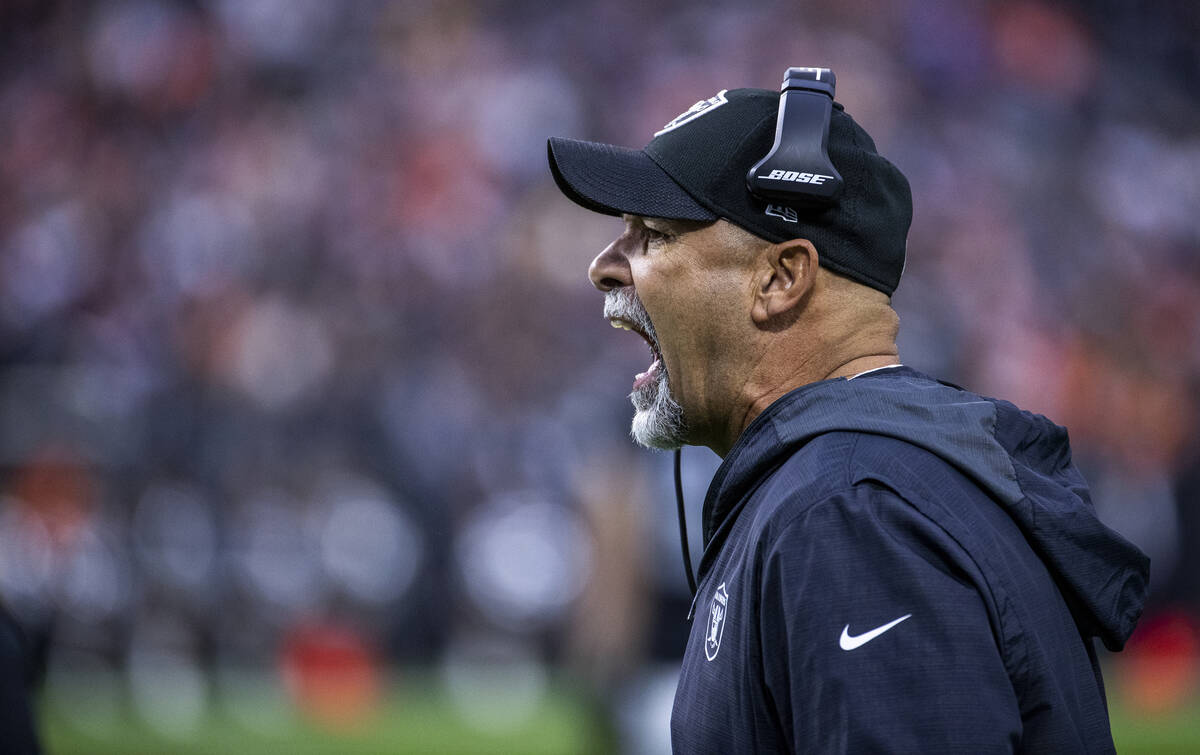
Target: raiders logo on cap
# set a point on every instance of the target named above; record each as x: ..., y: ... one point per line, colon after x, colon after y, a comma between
x: 694, y: 112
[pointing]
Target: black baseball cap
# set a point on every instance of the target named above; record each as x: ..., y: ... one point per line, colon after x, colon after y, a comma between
x: 695, y: 169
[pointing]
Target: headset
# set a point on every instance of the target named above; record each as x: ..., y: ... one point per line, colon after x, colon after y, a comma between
x: 797, y: 172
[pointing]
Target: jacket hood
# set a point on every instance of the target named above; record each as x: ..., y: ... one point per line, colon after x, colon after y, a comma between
x: 1023, y: 460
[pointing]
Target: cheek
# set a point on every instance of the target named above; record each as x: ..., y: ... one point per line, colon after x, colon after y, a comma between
x: 696, y: 326
x: 696, y: 314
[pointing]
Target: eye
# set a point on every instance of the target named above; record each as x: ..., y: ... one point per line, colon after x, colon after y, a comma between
x: 655, y: 236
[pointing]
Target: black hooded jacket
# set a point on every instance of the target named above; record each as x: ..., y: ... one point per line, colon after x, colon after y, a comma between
x: 893, y: 564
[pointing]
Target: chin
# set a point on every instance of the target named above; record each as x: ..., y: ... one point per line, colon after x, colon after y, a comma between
x: 648, y: 433
x: 658, y: 422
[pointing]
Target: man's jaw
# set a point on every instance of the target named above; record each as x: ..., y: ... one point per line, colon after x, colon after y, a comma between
x: 625, y: 311
x: 658, y: 421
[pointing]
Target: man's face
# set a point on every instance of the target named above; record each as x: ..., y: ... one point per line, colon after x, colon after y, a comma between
x: 683, y: 286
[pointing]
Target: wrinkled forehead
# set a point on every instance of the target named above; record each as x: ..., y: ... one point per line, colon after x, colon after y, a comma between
x: 678, y: 227
x: 708, y: 243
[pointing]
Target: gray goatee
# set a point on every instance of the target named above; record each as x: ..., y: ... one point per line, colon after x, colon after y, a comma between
x: 658, y: 419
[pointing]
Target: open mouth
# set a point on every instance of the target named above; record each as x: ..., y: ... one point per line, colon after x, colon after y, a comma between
x: 651, y: 374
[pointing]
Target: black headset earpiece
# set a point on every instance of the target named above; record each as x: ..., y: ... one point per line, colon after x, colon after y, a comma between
x: 797, y: 170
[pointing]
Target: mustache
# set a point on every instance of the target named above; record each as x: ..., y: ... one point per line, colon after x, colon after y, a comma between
x: 623, y: 303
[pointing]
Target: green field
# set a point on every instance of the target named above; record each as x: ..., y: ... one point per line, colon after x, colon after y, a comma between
x: 1176, y: 734
x: 423, y: 718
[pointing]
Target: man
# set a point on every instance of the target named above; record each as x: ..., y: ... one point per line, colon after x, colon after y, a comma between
x: 891, y: 564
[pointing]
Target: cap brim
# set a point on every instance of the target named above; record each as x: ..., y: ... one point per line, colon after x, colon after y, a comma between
x: 617, y: 180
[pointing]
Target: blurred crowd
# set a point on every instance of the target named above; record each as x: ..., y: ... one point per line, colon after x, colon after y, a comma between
x: 297, y: 346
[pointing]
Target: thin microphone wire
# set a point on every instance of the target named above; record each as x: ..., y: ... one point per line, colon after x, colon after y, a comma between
x: 683, y: 538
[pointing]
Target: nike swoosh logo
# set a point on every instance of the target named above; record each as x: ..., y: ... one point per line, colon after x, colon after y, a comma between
x: 849, y: 643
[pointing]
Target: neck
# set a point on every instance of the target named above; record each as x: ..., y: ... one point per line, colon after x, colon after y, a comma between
x: 758, y: 399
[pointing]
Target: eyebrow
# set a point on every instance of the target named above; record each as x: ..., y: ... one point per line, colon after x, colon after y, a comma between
x: 676, y: 227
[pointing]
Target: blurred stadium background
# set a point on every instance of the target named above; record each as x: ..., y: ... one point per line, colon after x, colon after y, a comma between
x: 312, y: 438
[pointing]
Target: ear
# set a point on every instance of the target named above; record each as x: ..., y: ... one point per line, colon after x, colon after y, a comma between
x: 786, y: 273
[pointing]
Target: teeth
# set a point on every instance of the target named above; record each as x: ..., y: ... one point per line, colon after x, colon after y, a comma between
x: 619, y: 324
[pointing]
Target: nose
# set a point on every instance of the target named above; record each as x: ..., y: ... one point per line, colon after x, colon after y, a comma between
x: 610, y: 269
